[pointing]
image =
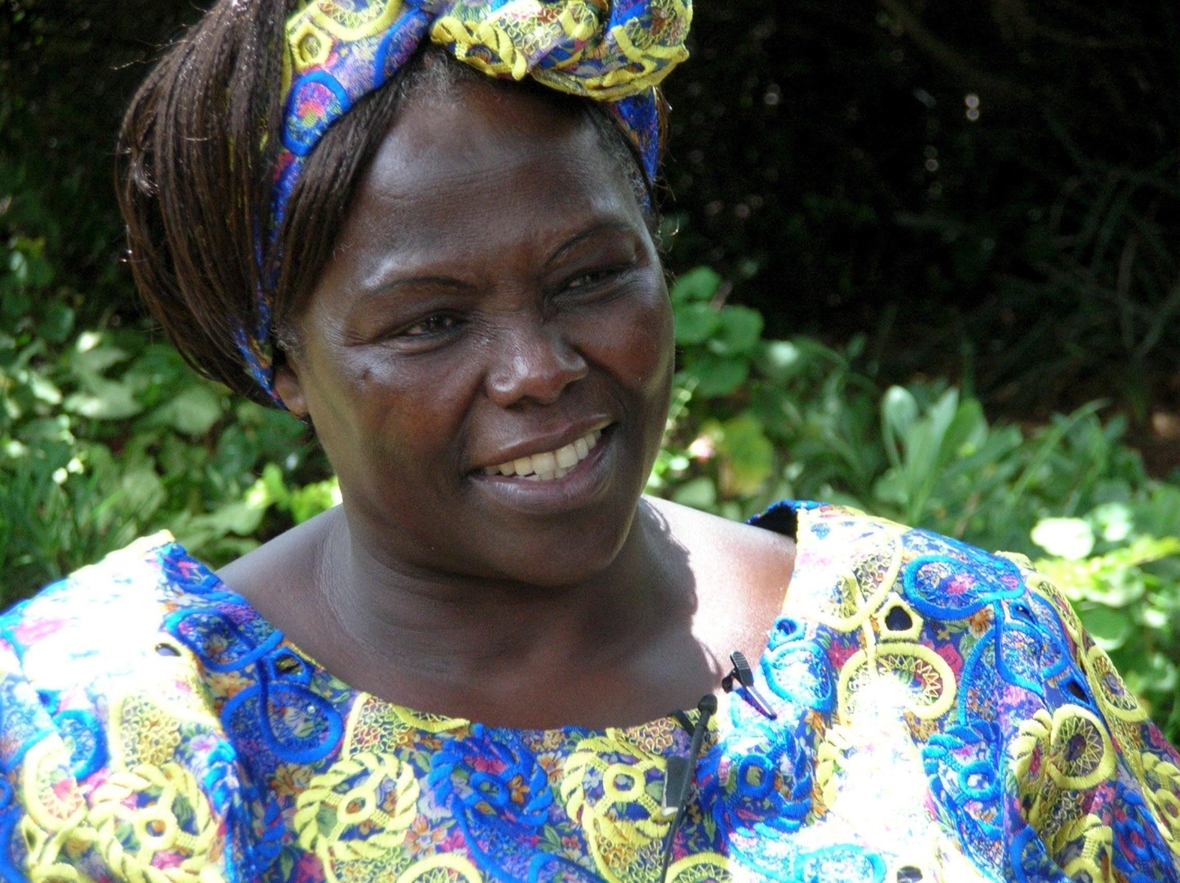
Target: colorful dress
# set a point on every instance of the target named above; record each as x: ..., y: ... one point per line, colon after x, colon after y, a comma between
x: 939, y: 715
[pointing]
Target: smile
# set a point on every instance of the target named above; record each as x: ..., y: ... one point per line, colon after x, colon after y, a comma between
x: 549, y: 465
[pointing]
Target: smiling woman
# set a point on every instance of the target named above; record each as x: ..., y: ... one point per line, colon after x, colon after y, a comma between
x: 426, y: 227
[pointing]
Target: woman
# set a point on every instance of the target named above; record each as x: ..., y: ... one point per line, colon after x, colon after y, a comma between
x: 497, y: 660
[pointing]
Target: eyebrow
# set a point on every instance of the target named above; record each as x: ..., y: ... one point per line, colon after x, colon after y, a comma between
x: 577, y: 239
x: 389, y: 287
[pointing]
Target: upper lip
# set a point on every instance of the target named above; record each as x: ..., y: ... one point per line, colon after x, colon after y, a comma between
x: 539, y: 444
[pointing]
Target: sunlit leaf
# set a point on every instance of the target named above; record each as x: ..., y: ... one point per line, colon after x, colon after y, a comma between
x: 1069, y: 538
x: 718, y: 376
x: 193, y: 412
x: 700, y: 493
x: 746, y: 454
x: 106, y: 400
x: 739, y: 332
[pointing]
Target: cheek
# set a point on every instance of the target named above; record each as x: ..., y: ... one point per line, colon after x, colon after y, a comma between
x: 366, y: 405
x: 642, y: 345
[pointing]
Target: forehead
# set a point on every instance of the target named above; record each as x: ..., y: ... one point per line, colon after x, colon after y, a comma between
x: 480, y: 163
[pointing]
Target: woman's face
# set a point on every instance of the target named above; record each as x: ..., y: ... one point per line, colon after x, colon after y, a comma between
x: 487, y: 356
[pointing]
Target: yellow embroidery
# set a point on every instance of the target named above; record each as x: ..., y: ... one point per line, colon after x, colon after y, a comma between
x: 1096, y: 840
x: 927, y: 678
x: 138, y: 814
x: 56, y: 812
x: 863, y: 591
x: 381, y: 727
x: 625, y: 844
x: 1114, y: 697
x: 886, y: 632
x: 314, y: 30
x: 1055, y: 759
x: 441, y: 869
x: 1081, y: 754
x: 1162, y: 785
x: 505, y: 43
x: 336, y: 22
x: 360, y: 808
x: 705, y: 868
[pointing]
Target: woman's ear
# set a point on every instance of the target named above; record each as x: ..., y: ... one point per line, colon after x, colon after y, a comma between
x: 289, y: 388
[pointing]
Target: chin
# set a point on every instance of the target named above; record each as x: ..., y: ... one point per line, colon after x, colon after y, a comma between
x: 578, y: 550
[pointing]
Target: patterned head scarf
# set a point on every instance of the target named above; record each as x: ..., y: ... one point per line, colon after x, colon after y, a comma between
x: 337, y: 51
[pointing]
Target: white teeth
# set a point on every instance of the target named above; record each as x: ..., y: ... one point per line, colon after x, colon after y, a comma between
x: 566, y: 457
x: 548, y: 465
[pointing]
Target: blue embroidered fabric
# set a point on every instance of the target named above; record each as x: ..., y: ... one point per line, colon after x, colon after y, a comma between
x: 941, y: 715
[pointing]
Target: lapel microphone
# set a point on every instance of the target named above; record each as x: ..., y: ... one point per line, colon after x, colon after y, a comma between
x: 743, y: 676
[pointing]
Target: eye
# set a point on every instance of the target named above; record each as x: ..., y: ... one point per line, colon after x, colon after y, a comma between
x: 589, y: 279
x: 594, y: 282
x: 438, y: 323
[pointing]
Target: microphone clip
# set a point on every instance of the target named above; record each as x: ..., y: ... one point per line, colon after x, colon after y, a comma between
x: 743, y: 676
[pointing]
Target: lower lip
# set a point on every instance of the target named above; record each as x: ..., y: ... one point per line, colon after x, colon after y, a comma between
x: 577, y: 487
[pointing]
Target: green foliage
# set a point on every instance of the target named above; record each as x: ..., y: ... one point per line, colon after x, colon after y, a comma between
x: 106, y: 435
x: 757, y: 420
x: 1123, y: 578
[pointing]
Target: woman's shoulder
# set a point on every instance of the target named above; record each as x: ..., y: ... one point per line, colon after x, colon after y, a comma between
x: 97, y: 621
x: 940, y: 576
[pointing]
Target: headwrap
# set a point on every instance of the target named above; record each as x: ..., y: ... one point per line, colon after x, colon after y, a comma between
x: 337, y: 51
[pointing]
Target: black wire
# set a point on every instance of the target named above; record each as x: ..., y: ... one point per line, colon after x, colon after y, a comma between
x: 706, y: 707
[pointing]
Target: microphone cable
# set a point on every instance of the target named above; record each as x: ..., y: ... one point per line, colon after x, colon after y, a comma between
x: 681, y: 772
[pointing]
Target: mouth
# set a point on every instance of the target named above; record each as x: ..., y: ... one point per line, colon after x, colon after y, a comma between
x: 549, y: 465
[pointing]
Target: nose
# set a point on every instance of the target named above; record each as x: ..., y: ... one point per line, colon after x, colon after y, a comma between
x: 533, y: 361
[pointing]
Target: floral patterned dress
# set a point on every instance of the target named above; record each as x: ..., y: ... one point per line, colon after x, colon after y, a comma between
x: 939, y: 714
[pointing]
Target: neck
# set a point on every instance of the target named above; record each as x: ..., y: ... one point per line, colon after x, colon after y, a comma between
x: 442, y: 640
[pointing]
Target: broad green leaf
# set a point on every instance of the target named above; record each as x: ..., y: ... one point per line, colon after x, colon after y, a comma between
x: 193, y: 412
x: 1107, y: 626
x: 312, y: 499
x: 746, y: 454
x: 741, y: 328
x: 43, y: 388
x: 899, y: 411
x: 57, y: 322
x: 719, y: 377
x: 1114, y: 522
x: 92, y: 363
x: 699, y: 493
x: 696, y: 323
x: 106, y: 400
x: 699, y: 284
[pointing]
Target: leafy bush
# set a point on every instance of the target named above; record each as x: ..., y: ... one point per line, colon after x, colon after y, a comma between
x: 757, y: 420
x: 105, y: 435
